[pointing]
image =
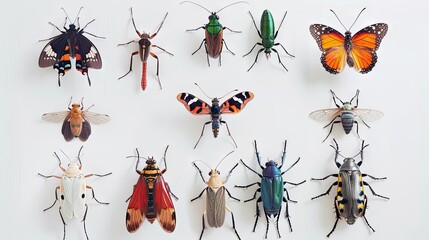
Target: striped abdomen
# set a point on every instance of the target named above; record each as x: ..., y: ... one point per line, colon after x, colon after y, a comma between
x: 347, y: 119
x: 144, y: 80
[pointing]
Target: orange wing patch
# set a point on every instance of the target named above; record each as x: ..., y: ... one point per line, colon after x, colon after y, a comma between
x: 193, y: 104
x: 334, y: 60
x: 236, y: 103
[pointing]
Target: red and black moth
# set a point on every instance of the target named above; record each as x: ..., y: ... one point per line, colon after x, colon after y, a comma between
x: 198, y: 107
x: 151, y: 198
x: 71, y: 43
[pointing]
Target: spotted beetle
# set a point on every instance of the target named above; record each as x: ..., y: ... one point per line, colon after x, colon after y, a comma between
x: 350, y: 201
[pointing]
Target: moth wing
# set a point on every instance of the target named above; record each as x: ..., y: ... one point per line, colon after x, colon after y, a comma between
x: 85, y: 132
x: 137, y: 208
x: 368, y: 115
x: 95, y: 118
x: 73, y: 197
x: 90, y: 55
x: 193, y: 104
x: 66, y: 130
x: 164, y: 207
x: 325, y: 115
x: 53, y: 51
x: 237, y: 102
x: 56, y: 116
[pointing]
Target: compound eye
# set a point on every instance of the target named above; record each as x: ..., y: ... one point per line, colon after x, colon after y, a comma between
x: 210, y: 173
x: 218, y: 172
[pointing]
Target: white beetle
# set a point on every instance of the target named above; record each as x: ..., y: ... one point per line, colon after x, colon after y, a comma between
x: 73, y: 192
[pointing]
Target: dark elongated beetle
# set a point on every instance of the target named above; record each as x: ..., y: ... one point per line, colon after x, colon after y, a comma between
x: 350, y: 201
x: 272, y: 189
x: 267, y: 36
x: 213, y: 40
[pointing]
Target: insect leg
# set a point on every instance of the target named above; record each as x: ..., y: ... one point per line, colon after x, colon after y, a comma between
x: 254, y: 23
x: 226, y: 46
x: 327, y: 192
x: 199, y: 171
x: 202, y: 132
x: 337, y: 152
x: 295, y: 184
x: 320, y: 179
x: 330, y: 130
x: 258, y: 213
x: 47, y: 39
x: 250, y: 168
x: 195, y: 29
x: 84, y: 222
x: 169, y: 53
x: 254, y: 195
x: 230, y: 172
x: 56, y: 199
x: 93, y: 195
x: 157, y: 68
x: 229, y: 194
x: 123, y: 44
x: 275, y: 35
x: 153, y: 35
x: 278, y: 56
x: 199, y: 196
x: 367, y: 223
x: 256, y: 59
x: 268, y: 225
x: 373, y: 193
x: 357, y: 129
x: 93, y: 34
x: 290, y: 166
x: 287, y: 196
x: 49, y: 176
x: 64, y: 223
x: 204, y: 227
x: 284, y: 155
x: 247, y: 186
x: 97, y: 175
x: 172, y: 194
x: 260, y: 44
x: 286, y: 214
x: 231, y: 30
x: 229, y: 133
x: 279, y: 44
x: 131, y: 64
x: 56, y: 28
x: 357, y: 98
x: 334, y: 96
x: 233, y: 226
x: 336, y: 221
x: 258, y: 158
x: 372, y: 177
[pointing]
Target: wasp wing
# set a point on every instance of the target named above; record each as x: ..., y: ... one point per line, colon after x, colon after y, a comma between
x: 137, y: 207
x: 325, y: 115
x: 56, y: 116
x: 368, y: 115
x: 215, y: 207
x: 237, y: 102
x: 73, y: 197
x: 95, y: 118
x: 164, y: 207
x: 193, y: 104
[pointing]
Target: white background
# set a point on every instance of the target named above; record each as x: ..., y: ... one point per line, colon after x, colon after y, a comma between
x: 152, y: 119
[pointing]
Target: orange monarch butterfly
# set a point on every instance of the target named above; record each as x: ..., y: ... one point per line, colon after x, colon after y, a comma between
x: 359, y: 50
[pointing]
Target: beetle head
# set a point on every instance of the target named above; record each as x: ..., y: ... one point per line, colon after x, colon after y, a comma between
x: 213, y: 16
x: 145, y: 35
x: 72, y: 170
x: 271, y: 163
x: 214, y: 173
x: 150, y: 161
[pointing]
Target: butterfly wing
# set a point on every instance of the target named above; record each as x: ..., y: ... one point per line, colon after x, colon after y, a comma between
x: 331, y: 43
x: 237, y: 102
x: 193, y: 104
x: 95, y: 118
x: 137, y: 207
x: 365, y: 44
x: 164, y: 207
x: 87, y: 55
x: 324, y: 115
x: 53, y: 51
x: 368, y: 115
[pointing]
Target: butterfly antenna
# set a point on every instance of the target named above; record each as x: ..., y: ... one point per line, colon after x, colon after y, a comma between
x: 338, y: 19
x: 235, y: 90
x: 223, y: 159
x: 231, y: 5
x: 66, y: 15
x: 202, y: 91
x: 356, y: 18
x: 197, y: 5
x: 80, y: 9
x: 202, y: 162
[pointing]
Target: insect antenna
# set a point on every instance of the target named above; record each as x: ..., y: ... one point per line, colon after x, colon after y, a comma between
x: 338, y: 19
x: 77, y: 15
x: 66, y: 15
x: 231, y: 5
x: 356, y: 18
x: 64, y: 155
x: 235, y: 90
x: 223, y: 159
x: 203, y: 91
x: 78, y: 157
x: 202, y: 162
x: 71, y: 98
x: 197, y: 5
